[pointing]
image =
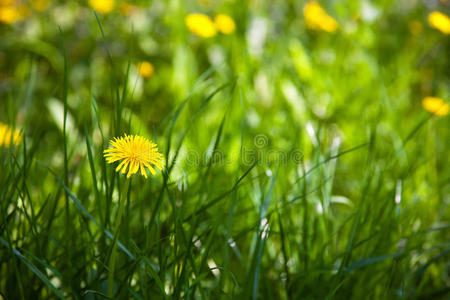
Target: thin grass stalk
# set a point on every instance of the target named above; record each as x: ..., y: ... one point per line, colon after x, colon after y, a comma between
x: 112, y: 259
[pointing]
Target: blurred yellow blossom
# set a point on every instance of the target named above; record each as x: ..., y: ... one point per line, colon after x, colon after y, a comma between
x: 102, y: 6
x: 126, y: 8
x: 7, y: 2
x: 145, y: 69
x: 40, y: 5
x: 415, y: 27
x: 224, y: 24
x: 436, y: 106
x: 201, y: 25
x: 8, y: 136
x: 24, y: 11
x: 9, y: 14
x: 439, y: 21
x: 318, y: 19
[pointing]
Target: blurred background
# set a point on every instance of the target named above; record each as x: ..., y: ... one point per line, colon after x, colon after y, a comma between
x: 376, y: 62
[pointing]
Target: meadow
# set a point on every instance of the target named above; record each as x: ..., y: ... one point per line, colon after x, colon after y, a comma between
x: 224, y: 149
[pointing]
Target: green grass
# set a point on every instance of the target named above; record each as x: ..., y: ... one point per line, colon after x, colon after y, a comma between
x: 304, y: 168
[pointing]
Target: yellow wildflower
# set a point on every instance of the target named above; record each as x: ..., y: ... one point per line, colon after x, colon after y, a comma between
x: 439, y: 21
x: 7, y: 2
x: 8, y: 136
x: 9, y: 14
x: 201, y: 25
x: 135, y: 153
x: 40, y: 5
x: 126, y: 8
x: 145, y: 69
x: 224, y: 23
x: 436, y: 106
x: 415, y: 27
x: 317, y: 18
x: 24, y: 11
x: 102, y: 6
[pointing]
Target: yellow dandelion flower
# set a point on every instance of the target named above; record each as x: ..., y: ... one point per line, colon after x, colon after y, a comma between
x: 8, y: 136
x: 436, y: 106
x: 439, y: 21
x: 9, y: 14
x: 127, y: 9
x: 135, y: 153
x: 24, y: 11
x: 7, y: 2
x: 317, y: 18
x: 145, y: 69
x: 224, y: 24
x: 201, y: 25
x: 102, y: 6
x: 40, y: 5
x: 415, y: 27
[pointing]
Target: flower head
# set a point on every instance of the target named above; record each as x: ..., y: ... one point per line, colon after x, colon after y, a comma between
x: 415, y: 27
x: 436, y: 106
x: 439, y: 21
x: 127, y: 9
x: 134, y: 153
x: 7, y: 2
x: 40, y: 5
x: 201, y: 25
x: 9, y: 136
x: 145, y: 69
x: 317, y: 18
x: 224, y: 23
x: 102, y: 6
x: 9, y: 14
